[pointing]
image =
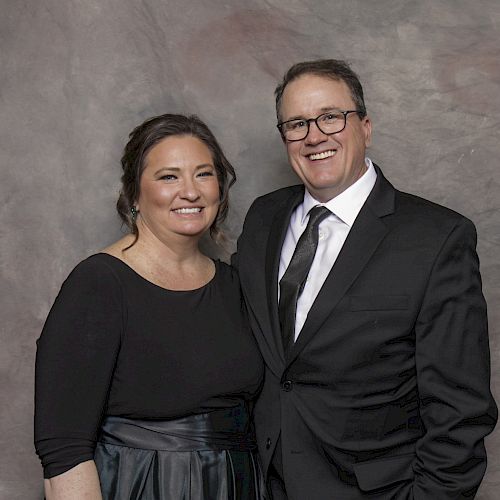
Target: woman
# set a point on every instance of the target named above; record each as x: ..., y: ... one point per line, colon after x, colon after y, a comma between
x: 145, y: 367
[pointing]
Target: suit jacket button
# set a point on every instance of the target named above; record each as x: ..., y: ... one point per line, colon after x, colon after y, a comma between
x: 268, y: 443
x: 287, y: 385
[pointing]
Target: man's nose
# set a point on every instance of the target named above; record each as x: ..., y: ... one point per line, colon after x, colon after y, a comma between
x: 315, y: 136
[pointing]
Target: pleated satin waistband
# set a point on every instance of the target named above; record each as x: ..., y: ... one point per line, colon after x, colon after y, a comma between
x: 226, y: 429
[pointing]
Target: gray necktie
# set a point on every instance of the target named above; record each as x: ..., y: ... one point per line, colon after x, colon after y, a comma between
x: 293, y: 281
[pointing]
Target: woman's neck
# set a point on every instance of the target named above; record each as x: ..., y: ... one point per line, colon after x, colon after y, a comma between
x: 177, y: 264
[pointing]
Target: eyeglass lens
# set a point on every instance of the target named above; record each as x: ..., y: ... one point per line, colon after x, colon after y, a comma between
x: 328, y: 123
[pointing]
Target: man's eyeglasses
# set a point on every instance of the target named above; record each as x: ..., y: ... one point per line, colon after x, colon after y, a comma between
x: 328, y: 123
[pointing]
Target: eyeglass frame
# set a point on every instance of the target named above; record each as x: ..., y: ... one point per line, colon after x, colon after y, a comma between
x: 315, y: 120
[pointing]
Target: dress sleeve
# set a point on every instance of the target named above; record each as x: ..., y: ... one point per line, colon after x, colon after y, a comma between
x: 76, y: 356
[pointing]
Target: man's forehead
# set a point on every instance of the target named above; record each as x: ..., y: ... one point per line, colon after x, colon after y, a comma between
x: 311, y: 82
x: 310, y: 93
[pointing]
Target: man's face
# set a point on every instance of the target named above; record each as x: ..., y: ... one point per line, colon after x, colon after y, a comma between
x: 326, y: 164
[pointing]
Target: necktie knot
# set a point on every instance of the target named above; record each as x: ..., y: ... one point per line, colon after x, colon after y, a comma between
x: 317, y: 214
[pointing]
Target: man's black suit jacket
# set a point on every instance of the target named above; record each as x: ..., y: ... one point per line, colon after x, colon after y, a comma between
x: 386, y: 392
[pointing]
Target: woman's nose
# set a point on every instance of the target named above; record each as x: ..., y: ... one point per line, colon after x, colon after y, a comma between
x: 189, y: 190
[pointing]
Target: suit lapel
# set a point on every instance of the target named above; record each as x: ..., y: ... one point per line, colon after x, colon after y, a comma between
x: 364, y: 237
x: 277, y: 235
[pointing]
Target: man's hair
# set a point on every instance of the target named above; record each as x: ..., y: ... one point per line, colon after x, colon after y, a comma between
x: 329, y: 68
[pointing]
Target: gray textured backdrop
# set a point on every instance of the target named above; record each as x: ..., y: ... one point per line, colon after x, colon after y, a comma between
x: 77, y: 76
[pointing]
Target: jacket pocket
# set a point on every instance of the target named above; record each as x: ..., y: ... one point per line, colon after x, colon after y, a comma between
x: 374, y: 474
x: 378, y: 302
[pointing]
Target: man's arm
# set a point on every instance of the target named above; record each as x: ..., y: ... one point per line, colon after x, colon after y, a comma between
x: 453, y: 370
x: 234, y: 260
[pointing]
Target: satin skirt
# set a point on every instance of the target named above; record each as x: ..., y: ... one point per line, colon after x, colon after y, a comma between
x: 209, y: 456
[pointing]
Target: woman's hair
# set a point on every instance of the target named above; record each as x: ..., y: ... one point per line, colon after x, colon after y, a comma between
x: 150, y: 133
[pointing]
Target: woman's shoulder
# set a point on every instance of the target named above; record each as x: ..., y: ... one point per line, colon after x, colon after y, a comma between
x: 227, y: 273
x: 97, y: 263
x: 96, y: 271
x: 92, y: 290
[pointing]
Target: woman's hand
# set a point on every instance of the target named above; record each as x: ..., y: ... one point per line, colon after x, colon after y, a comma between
x: 79, y: 483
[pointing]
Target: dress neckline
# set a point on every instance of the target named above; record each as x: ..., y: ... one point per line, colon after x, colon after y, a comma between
x: 142, y: 278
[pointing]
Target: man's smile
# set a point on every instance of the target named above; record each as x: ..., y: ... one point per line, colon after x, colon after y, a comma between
x: 322, y: 155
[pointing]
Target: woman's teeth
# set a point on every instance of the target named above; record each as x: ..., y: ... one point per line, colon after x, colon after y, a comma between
x: 188, y: 210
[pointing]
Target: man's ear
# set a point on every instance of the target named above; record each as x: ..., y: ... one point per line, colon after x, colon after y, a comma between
x: 367, y: 130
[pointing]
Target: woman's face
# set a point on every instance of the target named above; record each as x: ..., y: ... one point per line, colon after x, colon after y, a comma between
x: 179, y: 190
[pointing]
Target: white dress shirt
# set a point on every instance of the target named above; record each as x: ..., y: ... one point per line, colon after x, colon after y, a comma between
x: 333, y: 232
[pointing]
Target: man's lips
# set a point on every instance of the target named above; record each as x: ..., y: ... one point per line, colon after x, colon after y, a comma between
x: 322, y: 155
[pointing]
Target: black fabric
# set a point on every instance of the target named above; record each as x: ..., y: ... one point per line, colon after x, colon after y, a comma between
x: 392, y: 360
x: 275, y: 483
x: 293, y: 281
x: 205, y: 456
x: 115, y: 344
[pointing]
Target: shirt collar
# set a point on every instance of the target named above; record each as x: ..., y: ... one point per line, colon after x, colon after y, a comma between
x: 346, y: 205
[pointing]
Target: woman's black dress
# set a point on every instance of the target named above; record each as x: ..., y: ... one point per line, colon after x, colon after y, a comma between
x: 153, y: 384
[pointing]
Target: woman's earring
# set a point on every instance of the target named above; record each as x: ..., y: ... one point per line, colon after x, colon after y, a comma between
x: 133, y: 211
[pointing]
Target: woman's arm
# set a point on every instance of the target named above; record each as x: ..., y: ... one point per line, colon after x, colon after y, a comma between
x: 75, y: 362
x: 79, y: 483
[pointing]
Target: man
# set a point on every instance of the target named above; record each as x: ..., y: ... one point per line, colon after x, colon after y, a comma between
x: 369, y: 315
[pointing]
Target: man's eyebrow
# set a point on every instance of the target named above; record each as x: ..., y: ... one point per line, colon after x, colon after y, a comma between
x: 325, y: 109
x: 330, y: 108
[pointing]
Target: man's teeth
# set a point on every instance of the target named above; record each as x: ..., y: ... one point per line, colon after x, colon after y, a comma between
x: 188, y: 210
x: 322, y: 156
